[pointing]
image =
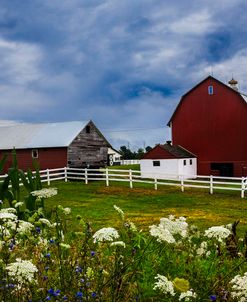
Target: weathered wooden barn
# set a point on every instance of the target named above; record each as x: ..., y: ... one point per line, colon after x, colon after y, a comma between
x: 211, y: 122
x: 55, y: 145
x: 168, y: 161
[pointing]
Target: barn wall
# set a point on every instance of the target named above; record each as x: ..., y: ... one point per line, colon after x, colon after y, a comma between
x: 213, y: 127
x: 88, y: 149
x: 48, y: 158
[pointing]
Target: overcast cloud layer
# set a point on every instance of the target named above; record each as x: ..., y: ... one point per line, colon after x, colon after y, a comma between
x: 123, y: 64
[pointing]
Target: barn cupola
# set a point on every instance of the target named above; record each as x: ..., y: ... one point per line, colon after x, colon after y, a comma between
x: 233, y: 84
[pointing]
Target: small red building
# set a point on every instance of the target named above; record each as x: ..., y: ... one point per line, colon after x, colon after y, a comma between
x: 54, y: 145
x: 210, y: 121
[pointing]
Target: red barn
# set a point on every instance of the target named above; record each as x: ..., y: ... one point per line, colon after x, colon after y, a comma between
x: 54, y: 145
x: 211, y: 122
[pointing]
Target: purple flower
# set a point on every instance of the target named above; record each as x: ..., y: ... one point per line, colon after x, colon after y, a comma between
x: 92, y: 253
x: 65, y: 298
x: 51, y: 291
x: 94, y: 295
x: 213, y: 297
x: 78, y: 269
x: 48, y: 298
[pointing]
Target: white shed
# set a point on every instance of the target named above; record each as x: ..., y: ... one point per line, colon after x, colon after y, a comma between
x: 168, y: 161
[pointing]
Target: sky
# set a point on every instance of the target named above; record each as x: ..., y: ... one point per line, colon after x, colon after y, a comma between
x: 123, y: 64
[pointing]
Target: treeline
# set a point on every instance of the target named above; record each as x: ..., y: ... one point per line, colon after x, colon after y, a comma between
x: 128, y: 154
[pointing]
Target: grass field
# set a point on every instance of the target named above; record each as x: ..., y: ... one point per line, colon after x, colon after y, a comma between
x: 144, y: 206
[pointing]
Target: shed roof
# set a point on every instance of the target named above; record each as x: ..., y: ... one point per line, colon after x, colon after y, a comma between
x: 45, y: 135
x: 168, y: 151
x: 177, y: 151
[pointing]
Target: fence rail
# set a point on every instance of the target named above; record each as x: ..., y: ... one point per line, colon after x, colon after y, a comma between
x: 133, y: 176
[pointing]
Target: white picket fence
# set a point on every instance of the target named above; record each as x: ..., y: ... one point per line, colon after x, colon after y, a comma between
x: 210, y: 183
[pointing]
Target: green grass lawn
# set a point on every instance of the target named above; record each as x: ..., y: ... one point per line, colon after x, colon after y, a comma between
x: 144, y: 206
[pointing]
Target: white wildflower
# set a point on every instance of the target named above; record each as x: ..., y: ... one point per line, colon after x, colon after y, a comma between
x: 163, y: 235
x: 220, y: 233
x: 22, y: 271
x: 177, y: 226
x: 45, y: 193
x: 118, y: 243
x: 203, y: 249
x: 8, y: 210
x: 187, y: 296
x: 105, y: 234
x: 65, y: 246
x: 7, y: 216
x: 19, y: 204
x: 67, y: 211
x: 120, y: 211
x: 24, y: 227
x: 164, y: 285
x: 45, y: 221
x: 239, y: 288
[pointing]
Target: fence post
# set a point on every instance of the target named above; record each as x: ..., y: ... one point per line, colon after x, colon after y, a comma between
x: 48, y: 177
x: 65, y: 174
x: 182, y: 183
x: 130, y: 177
x: 107, y: 177
x: 243, y: 187
x: 86, y: 176
x: 211, y: 184
x: 155, y: 183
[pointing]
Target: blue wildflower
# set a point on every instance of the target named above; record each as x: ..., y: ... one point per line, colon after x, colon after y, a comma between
x: 48, y: 298
x: 57, y: 292
x: 51, y: 291
x: 213, y: 297
x: 65, y: 298
x: 79, y: 294
x: 51, y: 240
x: 38, y: 230
x: 92, y: 253
x: 48, y: 255
x: 78, y: 269
x: 94, y: 295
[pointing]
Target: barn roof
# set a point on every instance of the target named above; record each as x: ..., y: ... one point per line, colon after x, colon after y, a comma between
x: 239, y: 93
x: 45, y: 135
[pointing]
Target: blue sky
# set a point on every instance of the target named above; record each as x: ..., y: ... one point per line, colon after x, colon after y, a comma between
x: 123, y: 64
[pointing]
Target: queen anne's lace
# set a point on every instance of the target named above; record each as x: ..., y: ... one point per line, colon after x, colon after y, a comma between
x: 105, y: 234
x: 239, y: 288
x: 187, y: 296
x: 22, y: 271
x: 164, y: 285
x: 45, y: 193
x: 220, y: 233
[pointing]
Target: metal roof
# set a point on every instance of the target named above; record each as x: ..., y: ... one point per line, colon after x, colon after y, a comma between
x: 46, y: 135
x: 177, y: 151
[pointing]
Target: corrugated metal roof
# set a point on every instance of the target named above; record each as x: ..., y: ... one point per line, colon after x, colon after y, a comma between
x: 47, y: 135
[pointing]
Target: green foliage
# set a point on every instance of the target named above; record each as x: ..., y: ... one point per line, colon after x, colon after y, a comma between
x: 113, y: 264
x: 10, y: 188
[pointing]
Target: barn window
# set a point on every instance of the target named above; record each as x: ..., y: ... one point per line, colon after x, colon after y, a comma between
x: 184, y: 162
x: 190, y: 161
x: 87, y: 129
x: 210, y: 90
x: 35, y: 153
x: 156, y: 163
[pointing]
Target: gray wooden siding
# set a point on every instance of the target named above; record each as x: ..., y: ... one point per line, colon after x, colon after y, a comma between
x: 88, y: 148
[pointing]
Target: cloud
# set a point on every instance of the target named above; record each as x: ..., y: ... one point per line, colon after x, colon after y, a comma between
x: 125, y: 64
